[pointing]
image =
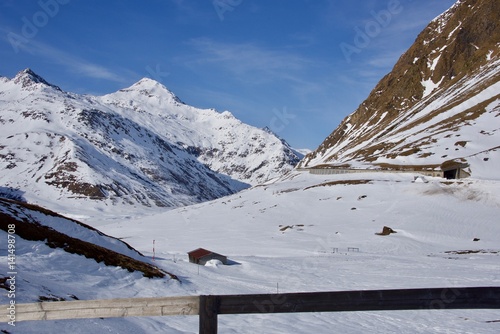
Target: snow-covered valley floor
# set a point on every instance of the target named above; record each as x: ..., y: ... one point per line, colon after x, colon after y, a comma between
x: 304, y: 233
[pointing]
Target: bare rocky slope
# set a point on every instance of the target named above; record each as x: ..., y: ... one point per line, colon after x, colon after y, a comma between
x: 439, y: 104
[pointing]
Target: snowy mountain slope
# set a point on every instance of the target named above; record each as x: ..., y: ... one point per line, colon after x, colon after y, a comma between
x: 440, y: 102
x: 52, y: 258
x: 53, y: 262
x: 20, y: 211
x: 140, y: 145
x: 38, y: 225
x: 309, y: 232
x: 219, y: 140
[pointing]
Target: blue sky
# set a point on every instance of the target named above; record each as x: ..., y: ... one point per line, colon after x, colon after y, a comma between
x: 296, y: 66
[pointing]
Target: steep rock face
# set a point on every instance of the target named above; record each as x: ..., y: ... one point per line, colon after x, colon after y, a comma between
x: 440, y: 102
x: 140, y: 145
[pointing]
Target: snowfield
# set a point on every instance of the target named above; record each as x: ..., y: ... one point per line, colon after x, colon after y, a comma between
x: 301, y: 232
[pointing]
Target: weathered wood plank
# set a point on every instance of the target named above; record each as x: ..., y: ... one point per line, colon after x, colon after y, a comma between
x: 108, y: 308
x: 370, y: 300
x: 209, y: 308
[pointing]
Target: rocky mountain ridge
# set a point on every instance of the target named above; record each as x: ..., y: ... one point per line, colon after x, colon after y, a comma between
x: 440, y: 103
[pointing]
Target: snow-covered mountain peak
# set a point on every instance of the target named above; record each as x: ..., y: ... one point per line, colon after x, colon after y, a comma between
x: 150, y: 85
x: 149, y: 91
x: 29, y: 80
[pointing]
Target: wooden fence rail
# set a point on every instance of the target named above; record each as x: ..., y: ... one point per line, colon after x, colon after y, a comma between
x: 209, y: 307
x: 107, y: 308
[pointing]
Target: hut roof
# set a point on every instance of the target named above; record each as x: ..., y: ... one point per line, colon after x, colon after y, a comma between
x: 200, y: 252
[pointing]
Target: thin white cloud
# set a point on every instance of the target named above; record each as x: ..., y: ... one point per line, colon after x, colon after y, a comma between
x: 251, y: 64
x: 73, y: 63
x: 246, y: 58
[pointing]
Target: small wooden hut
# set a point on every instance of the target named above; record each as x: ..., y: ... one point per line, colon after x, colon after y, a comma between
x: 201, y: 256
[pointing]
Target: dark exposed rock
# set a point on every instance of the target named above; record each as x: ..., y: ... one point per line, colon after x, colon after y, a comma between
x: 386, y: 231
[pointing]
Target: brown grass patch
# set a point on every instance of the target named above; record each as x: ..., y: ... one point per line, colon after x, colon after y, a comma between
x: 387, y: 166
x: 327, y: 166
x: 470, y: 251
x: 340, y: 182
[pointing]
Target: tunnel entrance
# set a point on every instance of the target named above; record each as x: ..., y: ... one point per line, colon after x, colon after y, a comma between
x: 450, y: 174
x: 454, y: 170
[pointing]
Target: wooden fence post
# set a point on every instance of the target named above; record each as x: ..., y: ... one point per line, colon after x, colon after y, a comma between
x: 209, y: 308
